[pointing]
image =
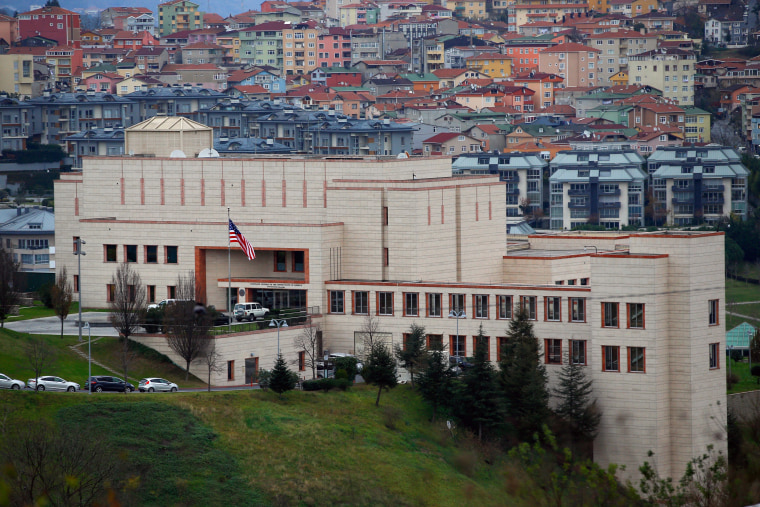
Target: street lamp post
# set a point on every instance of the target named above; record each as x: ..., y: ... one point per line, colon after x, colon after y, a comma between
x: 455, y: 314
x: 79, y: 253
x: 89, y: 356
x: 279, y: 323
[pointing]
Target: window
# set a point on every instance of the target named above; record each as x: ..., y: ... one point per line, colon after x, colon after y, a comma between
x: 280, y: 261
x: 130, y: 253
x: 151, y: 254
x: 456, y: 303
x: 411, y: 304
x: 385, y: 303
x: 611, y: 358
x: 110, y: 253
x: 714, y: 356
x: 302, y: 361
x: 230, y: 370
x: 713, y: 307
x: 505, y: 307
x: 480, y: 305
x: 361, y: 302
x: 386, y: 257
x: 635, y: 315
x: 578, y: 352
x: 336, y: 301
x: 76, y: 283
x: 171, y: 255
x: 482, y: 341
x: 552, y: 309
x: 610, y: 315
x: 110, y: 292
x: 457, y: 345
x: 553, y: 351
x: 298, y: 262
x: 171, y: 292
x: 528, y: 303
x: 434, y: 305
x: 151, y: 293
x: 636, y: 360
x: 435, y: 341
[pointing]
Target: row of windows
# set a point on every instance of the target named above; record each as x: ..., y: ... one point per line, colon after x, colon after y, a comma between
x: 150, y: 291
x: 150, y: 253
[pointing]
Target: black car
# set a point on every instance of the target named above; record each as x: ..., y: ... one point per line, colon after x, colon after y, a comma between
x: 102, y: 383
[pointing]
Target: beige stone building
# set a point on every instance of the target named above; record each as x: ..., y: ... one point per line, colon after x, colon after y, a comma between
x: 17, y: 75
x: 615, y: 48
x: 405, y: 242
x: 670, y: 70
x: 575, y: 63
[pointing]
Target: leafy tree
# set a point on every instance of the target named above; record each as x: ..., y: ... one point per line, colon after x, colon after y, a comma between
x: 187, y: 323
x: 10, y: 296
x: 477, y: 397
x: 412, y: 354
x: 308, y: 341
x: 575, y: 404
x: 282, y: 379
x: 52, y: 3
x: 523, y: 377
x: 435, y: 382
x: 734, y: 256
x: 380, y: 369
x: 348, y: 364
x: 127, y: 311
x: 754, y: 347
x: 61, y: 296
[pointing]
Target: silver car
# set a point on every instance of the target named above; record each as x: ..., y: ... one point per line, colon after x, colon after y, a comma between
x: 8, y: 383
x: 156, y: 384
x: 51, y: 383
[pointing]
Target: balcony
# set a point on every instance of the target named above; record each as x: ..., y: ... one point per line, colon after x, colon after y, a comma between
x: 609, y: 192
x: 714, y: 200
x: 682, y: 200
x: 689, y: 188
x: 609, y: 205
x: 714, y: 188
x: 578, y: 192
x: 577, y: 205
x: 513, y: 191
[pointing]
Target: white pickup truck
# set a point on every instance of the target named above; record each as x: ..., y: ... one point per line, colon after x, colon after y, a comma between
x: 250, y: 311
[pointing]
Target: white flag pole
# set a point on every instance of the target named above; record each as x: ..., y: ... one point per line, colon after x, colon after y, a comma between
x: 229, y: 276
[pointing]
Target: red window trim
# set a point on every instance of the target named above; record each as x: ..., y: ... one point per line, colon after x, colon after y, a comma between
x: 464, y: 303
x: 406, y: 313
x: 570, y: 311
x: 427, y: 339
x: 498, y: 307
x: 464, y: 343
x: 498, y: 346
x: 643, y: 316
x: 628, y: 351
x: 329, y: 302
x: 527, y: 307
x: 353, y: 302
x: 275, y: 261
x: 618, y: 315
x: 604, y: 360
x: 546, y: 351
x: 231, y: 370
x: 488, y: 345
x: 546, y: 308
x: 427, y: 305
x: 475, y: 306
x: 377, y: 304
x: 302, y: 361
x: 293, y: 261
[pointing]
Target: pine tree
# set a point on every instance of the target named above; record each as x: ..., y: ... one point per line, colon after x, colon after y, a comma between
x: 523, y: 377
x: 477, y: 396
x: 575, y: 405
x: 282, y: 379
x: 435, y: 382
x: 412, y: 355
x: 380, y: 369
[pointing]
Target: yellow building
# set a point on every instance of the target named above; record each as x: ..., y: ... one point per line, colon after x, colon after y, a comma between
x: 696, y: 125
x: 639, y: 7
x: 299, y: 48
x: 17, y: 75
x: 621, y: 78
x: 493, y: 65
x: 230, y: 41
x: 471, y: 9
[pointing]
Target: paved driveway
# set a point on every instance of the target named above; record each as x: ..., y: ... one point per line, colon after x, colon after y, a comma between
x: 52, y: 325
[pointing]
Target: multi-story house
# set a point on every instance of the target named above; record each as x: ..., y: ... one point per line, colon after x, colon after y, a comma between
x: 9, y: 29
x: 538, y: 10
x: 698, y: 184
x: 575, y: 63
x: 143, y: 22
x: 670, y: 70
x: 92, y: 56
x: 493, y: 65
x: 101, y: 82
x: 696, y: 126
x: 151, y: 59
x: 230, y: 41
x: 542, y: 84
x: 21, y: 121
x: 205, y: 75
x: 264, y: 78
x: 727, y: 28
x: 178, y: 15
x: 597, y: 187
x: 655, y: 21
x: 30, y: 236
x: 299, y: 45
x: 133, y: 40
x: 107, y: 141
x: 656, y: 114
x: 63, y: 60
x: 203, y: 52
x: 615, y: 48
x: 525, y: 55
x: 136, y: 84
x: 117, y: 17
x: 476, y: 9
x: 261, y: 44
x: 521, y: 172
x: 19, y: 75
x: 60, y: 25
x: 450, y: 143
x: 334, y: 48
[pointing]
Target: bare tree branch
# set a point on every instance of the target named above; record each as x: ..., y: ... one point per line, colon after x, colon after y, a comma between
x: 187, y: 323
x: 128, y: 306
x: 308, y: 342
x: 9, y: 294
x: 39, y: 354
x: 61, y: 295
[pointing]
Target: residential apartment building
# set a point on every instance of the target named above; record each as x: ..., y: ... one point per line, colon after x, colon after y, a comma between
x: 21, y: 121
x: 493, y: 65
x: 178, y: 15
x: 597, y: 187
x: 29, y: 233
x: 55, y: 23
x: 615, y: 48
x: 106, y: 141
x: 670, y: 70
x: 203, y: 52
x: 575, y: 63
x: 262, y: 44
x: 526, y: 11
x: 698, y: 184
x: 299, y: 46
x: 696, y: 126
x: 334, y: 48
x: 19, y: 75
x: 451, y: 144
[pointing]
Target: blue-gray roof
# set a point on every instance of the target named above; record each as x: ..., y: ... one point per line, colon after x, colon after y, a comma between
x: 740, y: 336
x: 29, y: 221
x: 604, y: 174
x: 711, y: 153
x: 78, y: 98
x: 98, y: 134
x: 580, y: 158
x: 717, y: 170
x: 254, y: 145
x: 502, y: 160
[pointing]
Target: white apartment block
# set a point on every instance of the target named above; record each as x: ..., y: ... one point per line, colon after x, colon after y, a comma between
x: 405, y: 242
x: 668, y: 69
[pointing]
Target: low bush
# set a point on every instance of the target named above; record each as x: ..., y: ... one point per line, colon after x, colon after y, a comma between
x: 45, y: 294
x: 326, y: 384
x: 756, y: 372
x: 731, y: 380
x: 310, y: 385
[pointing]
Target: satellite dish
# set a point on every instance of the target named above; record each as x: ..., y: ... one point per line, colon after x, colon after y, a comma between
x: 177, y: 154
x: 208, y: 153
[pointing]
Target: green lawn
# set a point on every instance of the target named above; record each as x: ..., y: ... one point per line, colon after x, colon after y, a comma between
x: 741, y: 291
x: 747, y: 382
x: 38, y: 310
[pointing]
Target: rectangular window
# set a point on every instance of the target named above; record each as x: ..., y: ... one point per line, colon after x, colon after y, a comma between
x: 610, y: 315
x: 482, y: 341
x: 110, y: 292
x: 385, y: 215
x: 505, y: 307
x: 171, y: 254
x: 411, y: 304
x: 302, y: 361
x: 230, y: 370
x: 151, y: 254
x: 714, y: 356
x: 110, y: 253
x: 457, y: 345
x: 151, y: 293
x: 578, y: 352
x: 456, y: 303
x: 76, y: 283
x: 298, y: 262
x: 553, y: 351
x: 480, y: 305
x: 280, y: 261
x: 635, y: 315
x: 552, y: 307
x: 171, y: 292
x: 528, y: 303
x: 361, y: 302
x: 713, y: 308
x: 434, y: 305
x: 130, y: 253
x: 385, y: 303
x: 611, y: 358
x: 636, y: 360
x: 435, y: 341
x: 336, y: 301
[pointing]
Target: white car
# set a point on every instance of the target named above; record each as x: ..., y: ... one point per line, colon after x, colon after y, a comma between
x: 157, y: 384
x: 8, y: 383
x: 51, y: 383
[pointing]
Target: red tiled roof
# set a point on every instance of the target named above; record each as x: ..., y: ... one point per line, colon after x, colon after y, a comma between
x: 441, y: 138
x: 569, y: 47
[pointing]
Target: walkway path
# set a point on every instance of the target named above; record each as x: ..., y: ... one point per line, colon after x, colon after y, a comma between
x: 76, y: 348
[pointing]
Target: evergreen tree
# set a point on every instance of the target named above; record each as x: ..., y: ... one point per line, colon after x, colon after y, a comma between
x: 412, y: 355
x: 523, y: 377
x: 380, y: 369
x: 477, y: 397
x: 575, y: 405
x: 52, y: 3
x: 435, y: 382
x: 282, y: 379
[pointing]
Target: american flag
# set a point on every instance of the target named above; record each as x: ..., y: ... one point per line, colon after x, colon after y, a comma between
x: 237, y: 237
